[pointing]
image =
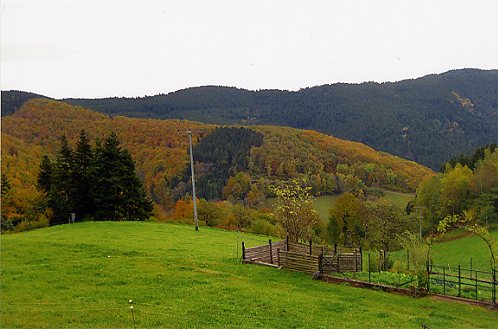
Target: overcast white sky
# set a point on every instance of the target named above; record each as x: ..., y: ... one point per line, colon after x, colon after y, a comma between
x: 99, y: 48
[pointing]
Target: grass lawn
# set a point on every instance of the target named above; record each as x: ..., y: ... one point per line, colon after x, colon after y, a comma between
x: 83, y: 275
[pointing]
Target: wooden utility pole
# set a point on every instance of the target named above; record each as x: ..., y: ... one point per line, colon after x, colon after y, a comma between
x: 194, y: 198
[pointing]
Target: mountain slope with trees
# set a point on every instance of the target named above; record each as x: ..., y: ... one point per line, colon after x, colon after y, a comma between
x: 428, y: 120
x: 160, y: 151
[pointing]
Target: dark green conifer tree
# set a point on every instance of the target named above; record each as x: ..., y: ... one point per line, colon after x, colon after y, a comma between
x: 117, y: 191
x: 44, y: 178
x: 62, y: 191
x: 81, y: 177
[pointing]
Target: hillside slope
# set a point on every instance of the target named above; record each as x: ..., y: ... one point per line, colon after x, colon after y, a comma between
x: 159, y: 148
x: 427, y: 120
x: 83, y: 276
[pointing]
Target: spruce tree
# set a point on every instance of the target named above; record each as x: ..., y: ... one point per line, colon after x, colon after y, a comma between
x: 61, y: 191
x: 80, y: 177
x: 137, y: 204
x: 117, y: 191
x: 44, y: 178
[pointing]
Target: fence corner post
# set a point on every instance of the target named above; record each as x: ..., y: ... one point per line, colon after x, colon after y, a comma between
x: 243, y: 250
x: 287, y: 243
x: 311, y: 249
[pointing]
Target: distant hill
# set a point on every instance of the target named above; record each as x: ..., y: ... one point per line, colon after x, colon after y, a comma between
x: 12, y: 100
x: 428, y: 120
x: 159, y: 148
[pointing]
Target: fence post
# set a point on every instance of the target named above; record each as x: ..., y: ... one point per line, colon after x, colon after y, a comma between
x: 278, y: 257
x: 311, y: 250
x: 355, y: 262
x: 368, y: 267
x: 243, y: 250
x: 320, y: 263
x: 361, y: 260
x: 408, y: 259
x: 494, y: 286
x: 287, y: 242
x: 459, y: 281
x: 271, y: 252
x: 335, y: 248
x: 470, y: 267
x: 476, y: 284
x: 444, y: 280
x: 428, y: 277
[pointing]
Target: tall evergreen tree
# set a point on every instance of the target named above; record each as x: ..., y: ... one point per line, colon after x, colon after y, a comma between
x: 44, y: 178
x: 137, y: 204
x: 81, y: 177
x: 117, y: 191
x: 62, y: 191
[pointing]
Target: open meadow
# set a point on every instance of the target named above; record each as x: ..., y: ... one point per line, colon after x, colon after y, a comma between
x: 323, y: 203
x: 83, y: 275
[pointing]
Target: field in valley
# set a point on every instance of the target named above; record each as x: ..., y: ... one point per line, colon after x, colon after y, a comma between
x: 84, y: 275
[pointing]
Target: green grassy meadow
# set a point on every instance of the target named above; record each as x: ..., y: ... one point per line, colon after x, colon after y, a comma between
x: 398, y: 198
x: 83, y: 275
x: 325, y: 202
x: 460, y: 251
x: 322, y: 206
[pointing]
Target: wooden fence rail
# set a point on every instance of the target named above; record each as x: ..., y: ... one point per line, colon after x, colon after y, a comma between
x: 342, y: 262
x: 306, y: 258
x: 297, y: 261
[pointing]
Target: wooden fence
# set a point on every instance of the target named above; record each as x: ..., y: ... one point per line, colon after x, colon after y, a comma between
x: 297, y: 261
x: 342, y: 262
x: 267, y: 253
x: 306, y: 258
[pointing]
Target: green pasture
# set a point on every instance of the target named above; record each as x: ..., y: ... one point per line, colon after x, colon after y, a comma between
x: 398, y: 198
x: 464, y: 251
x: 325, y: 202
x: 84, y: 275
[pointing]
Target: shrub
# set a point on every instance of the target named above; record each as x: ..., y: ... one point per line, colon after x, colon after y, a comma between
x: 27, y: 225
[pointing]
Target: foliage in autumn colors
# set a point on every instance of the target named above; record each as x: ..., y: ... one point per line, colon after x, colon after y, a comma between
x: 160, y: 151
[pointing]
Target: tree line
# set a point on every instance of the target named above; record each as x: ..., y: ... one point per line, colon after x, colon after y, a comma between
x: 462, y: 191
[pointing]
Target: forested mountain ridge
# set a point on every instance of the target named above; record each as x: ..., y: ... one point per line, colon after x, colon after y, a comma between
x: 159, y: 148
x: 12, y: 100
x: 428, y: 120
